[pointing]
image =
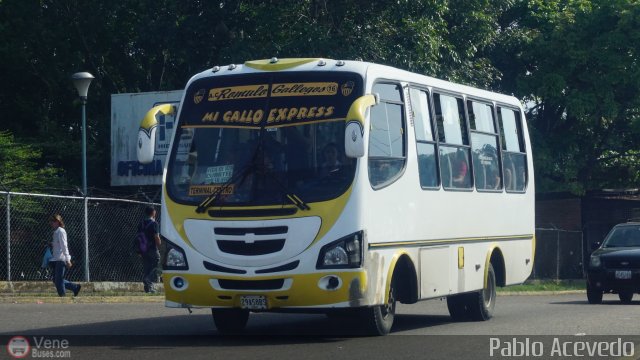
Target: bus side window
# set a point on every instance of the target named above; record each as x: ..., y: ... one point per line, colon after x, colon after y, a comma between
x: 514, y: 156
x: 484, y: 140
x: 386, y: 136
x: 454, y: 142
x: 425, y: 142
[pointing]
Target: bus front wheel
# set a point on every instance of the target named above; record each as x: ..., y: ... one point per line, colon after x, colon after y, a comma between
x: 378, y: 320
x: 230, y: 321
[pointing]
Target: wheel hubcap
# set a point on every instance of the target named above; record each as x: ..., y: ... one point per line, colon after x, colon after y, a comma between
x: 488, y: 292
x: 387, y: 309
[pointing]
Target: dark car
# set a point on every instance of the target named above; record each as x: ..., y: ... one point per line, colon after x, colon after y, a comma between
x: 614, y: 266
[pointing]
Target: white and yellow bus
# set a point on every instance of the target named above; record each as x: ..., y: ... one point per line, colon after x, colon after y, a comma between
x: 342, y: 187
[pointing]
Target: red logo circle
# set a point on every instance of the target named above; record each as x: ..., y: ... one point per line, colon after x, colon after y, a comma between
x: 18, y: 347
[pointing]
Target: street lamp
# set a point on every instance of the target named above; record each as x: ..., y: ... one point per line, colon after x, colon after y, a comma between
x: 81, y: 81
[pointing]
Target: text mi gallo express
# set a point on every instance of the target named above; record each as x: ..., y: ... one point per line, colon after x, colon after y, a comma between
x: 275, y: 116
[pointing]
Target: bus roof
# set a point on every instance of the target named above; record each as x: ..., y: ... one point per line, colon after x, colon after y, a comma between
x: 366, y: 69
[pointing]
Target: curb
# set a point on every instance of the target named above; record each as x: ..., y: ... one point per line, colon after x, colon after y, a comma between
x: 47, y: 287
x: 539, y: 293
x: 10, y: 299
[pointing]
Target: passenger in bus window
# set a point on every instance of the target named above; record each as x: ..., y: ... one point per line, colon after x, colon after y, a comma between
x: 521, y: 176
x: 379, y: 171
x: 427, y: 169
x: 297, y: 151
x: 331, y: 163
x: 494, y: 177
x: 509, y: 181
x: 460, y: 170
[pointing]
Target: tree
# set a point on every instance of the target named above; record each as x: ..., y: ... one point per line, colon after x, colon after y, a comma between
x: 20, y: 168
x: 575, y: 62
x: 578, y: 70
x: 150, y: 45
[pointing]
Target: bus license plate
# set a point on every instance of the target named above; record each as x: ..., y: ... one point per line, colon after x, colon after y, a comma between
x: 623, y: 274
x: 253, y: 302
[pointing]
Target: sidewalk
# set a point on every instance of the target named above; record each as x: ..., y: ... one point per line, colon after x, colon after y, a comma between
x: 29, y: 292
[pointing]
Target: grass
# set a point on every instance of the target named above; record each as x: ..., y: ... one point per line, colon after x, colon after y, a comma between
x: 546, y: 286
x: 82, y: 293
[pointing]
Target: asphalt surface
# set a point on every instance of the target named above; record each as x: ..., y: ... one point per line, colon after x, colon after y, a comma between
x: 148, y: 330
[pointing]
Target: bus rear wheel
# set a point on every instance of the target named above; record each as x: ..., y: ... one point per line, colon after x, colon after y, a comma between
x: 476, y: 306
x: 458, y: 306
x: 483, y: 302
x: 229, y: 321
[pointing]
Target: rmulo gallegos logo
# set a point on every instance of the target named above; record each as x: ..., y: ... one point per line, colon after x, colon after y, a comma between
x: 18, y: 347
x: 276, y: 90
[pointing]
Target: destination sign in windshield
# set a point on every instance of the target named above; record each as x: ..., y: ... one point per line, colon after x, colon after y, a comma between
x: 271, y: 100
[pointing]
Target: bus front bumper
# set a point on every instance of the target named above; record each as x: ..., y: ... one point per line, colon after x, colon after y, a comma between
x: 340, y: 289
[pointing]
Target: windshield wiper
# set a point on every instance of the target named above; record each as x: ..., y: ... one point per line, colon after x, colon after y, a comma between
x: 295, y: 199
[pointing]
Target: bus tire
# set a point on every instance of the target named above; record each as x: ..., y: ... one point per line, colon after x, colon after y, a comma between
x: 483, y: 302
x: 230, y: 321
x: 378, y: 320
x: 594, y: 296
x: 458, y: 307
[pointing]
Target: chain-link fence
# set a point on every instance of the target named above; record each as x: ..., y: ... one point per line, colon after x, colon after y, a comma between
x: 4, y: 257
x: 100, y: 235
x: 559, y: 254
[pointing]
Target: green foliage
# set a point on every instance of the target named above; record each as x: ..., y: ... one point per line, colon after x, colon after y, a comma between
x: 574, y: 61
x: 20, y: 168
x: 581, y: 73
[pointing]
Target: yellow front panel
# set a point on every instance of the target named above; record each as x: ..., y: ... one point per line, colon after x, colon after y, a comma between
x: 304, y: 291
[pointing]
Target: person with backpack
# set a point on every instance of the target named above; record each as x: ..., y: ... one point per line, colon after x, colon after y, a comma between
x: 148, y: 247
x: 60, y: 259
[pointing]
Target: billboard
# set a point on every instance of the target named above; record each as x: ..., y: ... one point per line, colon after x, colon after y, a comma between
x: 127, y: 110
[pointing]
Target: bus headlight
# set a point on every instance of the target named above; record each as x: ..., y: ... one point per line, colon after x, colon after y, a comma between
x: 174, y: 258
x: 343, y: 253
x: 595, y: 261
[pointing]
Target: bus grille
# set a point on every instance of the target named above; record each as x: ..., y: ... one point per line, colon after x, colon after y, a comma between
x: 260, y: 247
x: 270, y: 230
x: 274, y: 284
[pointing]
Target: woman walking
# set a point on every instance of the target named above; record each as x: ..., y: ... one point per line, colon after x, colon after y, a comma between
x: 60, y: 259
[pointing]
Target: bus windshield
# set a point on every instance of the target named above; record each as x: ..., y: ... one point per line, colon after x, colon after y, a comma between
x: 258, y: 139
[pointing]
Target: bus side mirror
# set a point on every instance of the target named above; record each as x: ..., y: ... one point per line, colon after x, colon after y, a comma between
x: 354, y: 131
x: 353, y: 140
x: 146, y: 145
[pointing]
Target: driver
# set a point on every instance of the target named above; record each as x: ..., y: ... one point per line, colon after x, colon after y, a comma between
x: 331, y: 159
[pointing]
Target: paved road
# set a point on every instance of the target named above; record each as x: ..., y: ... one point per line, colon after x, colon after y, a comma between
x: 117, y: 328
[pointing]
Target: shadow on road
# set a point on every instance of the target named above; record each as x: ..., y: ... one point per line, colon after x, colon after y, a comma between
x: 194, y: 328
